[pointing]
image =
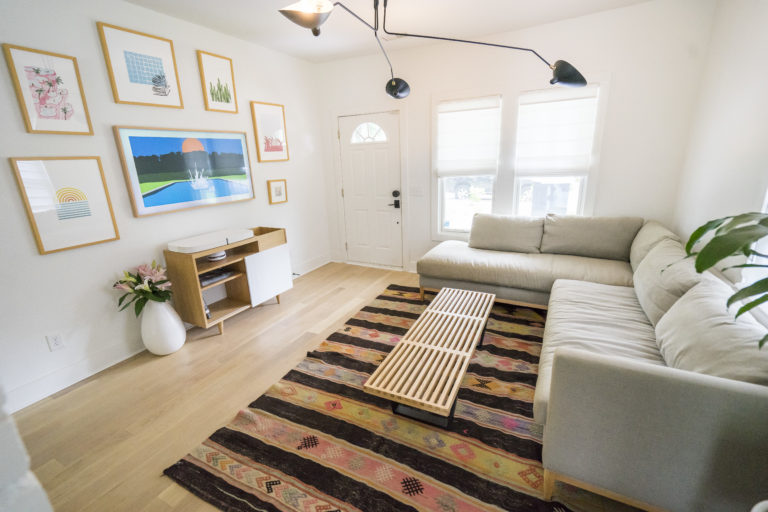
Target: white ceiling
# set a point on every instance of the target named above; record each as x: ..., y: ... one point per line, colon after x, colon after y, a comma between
x: 343, y: 36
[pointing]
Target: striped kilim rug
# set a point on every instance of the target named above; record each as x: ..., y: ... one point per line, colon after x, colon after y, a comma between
x: 316, y: 442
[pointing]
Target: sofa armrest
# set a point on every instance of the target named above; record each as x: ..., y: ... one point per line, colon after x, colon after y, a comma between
x: 670, y: 438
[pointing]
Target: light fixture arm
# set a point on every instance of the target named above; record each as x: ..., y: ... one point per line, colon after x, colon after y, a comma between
x: 375, y: 26
x: 439, y: 38
x: 391, y: 73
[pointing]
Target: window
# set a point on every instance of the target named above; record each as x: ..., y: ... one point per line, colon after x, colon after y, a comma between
x: 368, y: 132
x: 554, y: 150
x: 466, y: 160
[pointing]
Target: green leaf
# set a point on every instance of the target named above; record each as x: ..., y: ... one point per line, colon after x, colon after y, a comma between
x: 120, y: 302
x: 140, y: 305
x: 128, y: 303
x: 701, y: 231
x: 746, y: 265
x: 722, y: 246
x: 762, y: 341
x: 155, y: 298
x: 760, y: 286
x: 739, y: 220
x: 746, y: 307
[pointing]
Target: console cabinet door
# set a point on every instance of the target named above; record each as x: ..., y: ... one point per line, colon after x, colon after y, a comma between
x: 269, y: 273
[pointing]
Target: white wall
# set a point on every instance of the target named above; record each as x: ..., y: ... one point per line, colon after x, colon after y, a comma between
x: 69, y: 292
x: 725, y: 172
x: 651, y: 55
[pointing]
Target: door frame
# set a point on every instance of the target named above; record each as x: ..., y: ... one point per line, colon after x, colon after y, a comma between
x: 339, y: 183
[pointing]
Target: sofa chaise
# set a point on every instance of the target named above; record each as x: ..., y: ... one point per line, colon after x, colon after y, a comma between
x: 650, y: 392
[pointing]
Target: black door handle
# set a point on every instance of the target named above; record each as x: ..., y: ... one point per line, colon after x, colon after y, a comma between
x: 396, y: 204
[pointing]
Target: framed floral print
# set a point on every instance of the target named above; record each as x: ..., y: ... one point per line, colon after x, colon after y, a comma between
x: 49, y: 91
x: 142, y: 67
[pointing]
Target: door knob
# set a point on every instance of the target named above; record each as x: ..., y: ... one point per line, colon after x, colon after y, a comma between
x: 395, y: 193
x: 396, y: 204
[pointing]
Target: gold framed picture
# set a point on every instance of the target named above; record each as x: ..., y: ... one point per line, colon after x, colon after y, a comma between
x: 278, y: 191
x: 217, y: 76
x: 142, y: 67
x: 49, y: 91
x: 269, y: 128
x: 66, y: 200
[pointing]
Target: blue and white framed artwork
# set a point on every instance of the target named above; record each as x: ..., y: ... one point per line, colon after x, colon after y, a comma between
x: 142, y: 67
x: 168, y: 170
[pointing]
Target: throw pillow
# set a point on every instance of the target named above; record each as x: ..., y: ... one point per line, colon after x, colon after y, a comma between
x: 646, y: 239
x: 699, y: 334
x: 506, y: 233
x: 662, y: 277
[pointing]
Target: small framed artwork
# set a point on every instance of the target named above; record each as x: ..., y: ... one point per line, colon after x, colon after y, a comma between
x: 168, y: 170
x: 142, y: 68
x: 49, y: 91
x: 269, y: 127
x: 218, y: 78
x: 278, y: 191
x: 67, y: 201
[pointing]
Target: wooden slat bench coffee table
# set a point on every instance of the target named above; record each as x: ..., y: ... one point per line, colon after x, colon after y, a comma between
x: 422, y: 374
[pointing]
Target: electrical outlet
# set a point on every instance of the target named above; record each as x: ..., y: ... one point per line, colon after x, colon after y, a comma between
x: 55, y: 342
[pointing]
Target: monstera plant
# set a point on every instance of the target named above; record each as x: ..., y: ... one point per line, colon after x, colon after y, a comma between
x: 734, y: 236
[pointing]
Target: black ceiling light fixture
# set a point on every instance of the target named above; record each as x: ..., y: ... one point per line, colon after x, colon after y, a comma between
x: 313, y: 13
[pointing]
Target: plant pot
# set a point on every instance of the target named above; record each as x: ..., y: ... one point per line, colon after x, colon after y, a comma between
x: 161, y: 328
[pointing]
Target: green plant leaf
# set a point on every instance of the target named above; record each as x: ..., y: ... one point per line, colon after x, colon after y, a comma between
x: 129, y: 302
x: 701, y: 231
x: 746, y: 307
x: 746, y: 265
x: 140, y: 305
x: 762, y: 341
x: 739, y: 220
x: 755, y: 288
x: 722, y: 246
x: 120, y: 302
x: 155, y: 298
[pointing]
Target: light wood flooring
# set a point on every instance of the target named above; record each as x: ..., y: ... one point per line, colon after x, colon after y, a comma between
x: 102, y: 444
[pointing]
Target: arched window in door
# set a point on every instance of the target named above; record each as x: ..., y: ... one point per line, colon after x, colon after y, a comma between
x: 368, y: 132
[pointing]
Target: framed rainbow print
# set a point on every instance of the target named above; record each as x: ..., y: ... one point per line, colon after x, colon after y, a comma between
x: 49, y: 91
x: 168, y: 170
x: 142, y: 67
x: 269, y: 127
x: 66, y: 200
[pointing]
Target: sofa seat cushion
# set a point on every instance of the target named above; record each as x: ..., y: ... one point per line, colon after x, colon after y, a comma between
x: 456, y: 260
x: 597, y: 318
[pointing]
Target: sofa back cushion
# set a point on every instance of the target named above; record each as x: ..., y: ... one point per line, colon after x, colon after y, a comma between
x: 662, y: 277
x: 646, y: 239
x: 594, y: 237
x: 699, y: 334
x: 506, y: 233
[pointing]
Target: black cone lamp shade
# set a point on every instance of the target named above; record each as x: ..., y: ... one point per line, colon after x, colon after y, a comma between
x: 398, y: 88
x: 565, y: 74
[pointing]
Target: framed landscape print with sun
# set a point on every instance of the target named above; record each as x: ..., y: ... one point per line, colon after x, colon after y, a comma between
x: 168, y: 170
x: 142, y: 67
x: 49, y: 91
x: 66, y: 200
x: 218, y: 78
x: 269, y: 128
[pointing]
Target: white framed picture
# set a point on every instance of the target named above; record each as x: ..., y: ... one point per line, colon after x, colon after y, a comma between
x: 269, y: 128
x: 278, y: 191
x: 217, y: 76
x: 49, y: 91
x: 66, y: 200
x: 142, y: 67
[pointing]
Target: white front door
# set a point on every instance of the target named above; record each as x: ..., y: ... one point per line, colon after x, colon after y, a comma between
x: 370, y: 164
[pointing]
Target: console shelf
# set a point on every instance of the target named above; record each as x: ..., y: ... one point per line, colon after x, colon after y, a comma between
x: 184, y: 270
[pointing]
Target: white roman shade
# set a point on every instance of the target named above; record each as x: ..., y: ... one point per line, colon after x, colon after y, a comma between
x: 468, y: 136
x: 556, y: 131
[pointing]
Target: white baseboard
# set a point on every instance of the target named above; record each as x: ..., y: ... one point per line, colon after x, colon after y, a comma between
x: 308, y: 266
x: 28, y: 394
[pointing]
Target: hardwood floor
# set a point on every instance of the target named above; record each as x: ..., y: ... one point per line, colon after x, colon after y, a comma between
x: 103, y: 443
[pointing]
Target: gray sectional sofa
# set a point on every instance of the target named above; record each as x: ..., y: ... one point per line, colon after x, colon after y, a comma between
x: 649, y: 390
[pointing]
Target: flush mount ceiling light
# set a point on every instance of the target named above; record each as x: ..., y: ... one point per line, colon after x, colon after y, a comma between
x: 313, y: 13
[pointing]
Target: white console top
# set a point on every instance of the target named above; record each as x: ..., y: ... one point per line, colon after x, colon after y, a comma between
x: 209, y: 240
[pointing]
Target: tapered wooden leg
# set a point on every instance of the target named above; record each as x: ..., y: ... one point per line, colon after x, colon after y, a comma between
x: 421, y: 293
x: 549, y: 485
x: 221, y: 327
x: 278, y: 299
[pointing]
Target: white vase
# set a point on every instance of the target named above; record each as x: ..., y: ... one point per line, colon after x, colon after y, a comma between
x: 161, y: 328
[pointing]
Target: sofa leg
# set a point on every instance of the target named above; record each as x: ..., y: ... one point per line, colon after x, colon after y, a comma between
x: 421, y: 293
x: 549, y: 484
